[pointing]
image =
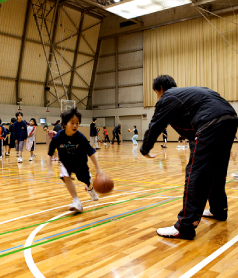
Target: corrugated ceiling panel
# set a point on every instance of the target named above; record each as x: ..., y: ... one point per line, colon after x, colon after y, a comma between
x: 85, y: 72
x: 66, y: 28
x: 80, y: 95
x: 34, y: 64
x: 82, y: 59
x: 83, y: 47
x: 9, y: 56
x: 91, y: 36
x: 32, y: 94
x: 12, y: 17
x: 89, y: 21
x: 7, y: 91
x: 32, y: 32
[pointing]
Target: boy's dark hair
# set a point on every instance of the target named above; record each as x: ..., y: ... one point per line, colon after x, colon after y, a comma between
x: 45, y: 126
x: 163, y: 81
x: 34, y: 120
x: 94, y: 119
x: 67, y: 115
x: 134, y: 126
x: 104, y: 127
x: 0, y: 121
x: 13, y: 120
x: 19, y: 113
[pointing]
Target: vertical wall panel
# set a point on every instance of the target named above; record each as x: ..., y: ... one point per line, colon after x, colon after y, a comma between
x: 7, y: 91
x: 9, y: 56
x: 34, y: 63
x: 108, y: 46
x: 12, y: 17
x: 131, y: 41
x: 32, y: 94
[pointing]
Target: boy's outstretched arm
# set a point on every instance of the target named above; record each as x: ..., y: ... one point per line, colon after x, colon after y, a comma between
x: 95, y: 162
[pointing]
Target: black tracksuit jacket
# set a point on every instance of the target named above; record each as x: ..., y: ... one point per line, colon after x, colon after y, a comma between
x: 187, y: 110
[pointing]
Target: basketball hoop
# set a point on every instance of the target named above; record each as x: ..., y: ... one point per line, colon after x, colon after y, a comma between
x: 67, y: 105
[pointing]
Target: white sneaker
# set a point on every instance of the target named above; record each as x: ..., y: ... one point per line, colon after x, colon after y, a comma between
x: 92, y: 193
x: 7, y: 154
x: 19, y: 160
x: 31, y: 158
x: 34, y: 155
x: 183, y: 147
x: 178, y: 147
x: 76, y: 206
x: 207, y: 213
x: 173, y: 232
x: 235, y: 176
x: 105, y: 144
x: 168, y: 232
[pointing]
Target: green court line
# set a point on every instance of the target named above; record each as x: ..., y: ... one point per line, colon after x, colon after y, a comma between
x: 97, y: 208
x: 76, y: 232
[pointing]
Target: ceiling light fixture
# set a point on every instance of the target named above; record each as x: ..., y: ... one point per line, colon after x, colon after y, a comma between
x: 134, y: 8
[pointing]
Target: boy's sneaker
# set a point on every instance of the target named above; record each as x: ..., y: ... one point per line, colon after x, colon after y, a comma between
x: 34, y: 155
x: 31, y: 158
x: 7, y: 154
x: 207, y: 213
x: 174, y: 233
x: 98, y: 148
x: 76, y: 206
x: 19, y: 160
x: 0, y: 156
x: 92, y: 193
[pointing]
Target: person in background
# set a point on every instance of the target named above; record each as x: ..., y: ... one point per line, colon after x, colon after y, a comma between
x: 31, y: 139
x: 93, y: 134
x: 135, y: 136
x: 106, y: 137
x: 12, y: 141
x: 116, y: 131
x: 2, y: 136
x: 57, y: 126
x: 51, y: 134
x: 19, y: 134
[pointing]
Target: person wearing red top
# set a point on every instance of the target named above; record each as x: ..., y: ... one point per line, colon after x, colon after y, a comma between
x: 106, y: 138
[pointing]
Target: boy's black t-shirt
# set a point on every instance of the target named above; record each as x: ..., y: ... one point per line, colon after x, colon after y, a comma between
x: 73, y: 150
x: 136, y: 131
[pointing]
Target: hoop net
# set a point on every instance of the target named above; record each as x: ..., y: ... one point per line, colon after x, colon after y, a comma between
x: 67, y: 105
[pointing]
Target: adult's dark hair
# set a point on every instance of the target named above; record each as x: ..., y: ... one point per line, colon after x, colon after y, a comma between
x: 94, y: 119
x: 164, y: 82
x: 13, y: 120
x: 67, y: 115
x: 45, y: 126
x: 34, y: 120
x: 19, y: 113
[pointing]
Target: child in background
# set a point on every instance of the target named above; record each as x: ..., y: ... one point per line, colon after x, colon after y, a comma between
x: 106, y: 137
x: 31, y: 139
x: 74, y: 149
x: 135, y: 136
x: 19, y: 134
x: 165, y: 136
x: 12, y: 141
x: 6, y: 142
x: 51, y: 134
x: 3, y: 135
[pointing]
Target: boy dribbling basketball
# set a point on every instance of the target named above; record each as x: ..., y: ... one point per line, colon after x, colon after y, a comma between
x: 73, y: 149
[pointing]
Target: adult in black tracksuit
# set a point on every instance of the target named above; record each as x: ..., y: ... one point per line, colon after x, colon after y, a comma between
x: 115, y: 133
x: 209, y: 121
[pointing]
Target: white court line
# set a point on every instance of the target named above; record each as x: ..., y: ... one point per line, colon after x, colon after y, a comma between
x: 42, y: 211
x: 27, y: 252
x: 210, y: 258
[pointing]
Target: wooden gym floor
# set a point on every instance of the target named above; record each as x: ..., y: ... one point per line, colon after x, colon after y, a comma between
x: 115, y: 236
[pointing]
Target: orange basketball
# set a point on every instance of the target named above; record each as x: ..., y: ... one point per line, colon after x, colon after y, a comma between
x: 103, y: 183
x: 128, y: 130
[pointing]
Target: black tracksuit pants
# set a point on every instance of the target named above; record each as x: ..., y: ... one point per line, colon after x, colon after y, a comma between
x: 113, y: 138
x: 206, y: 175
